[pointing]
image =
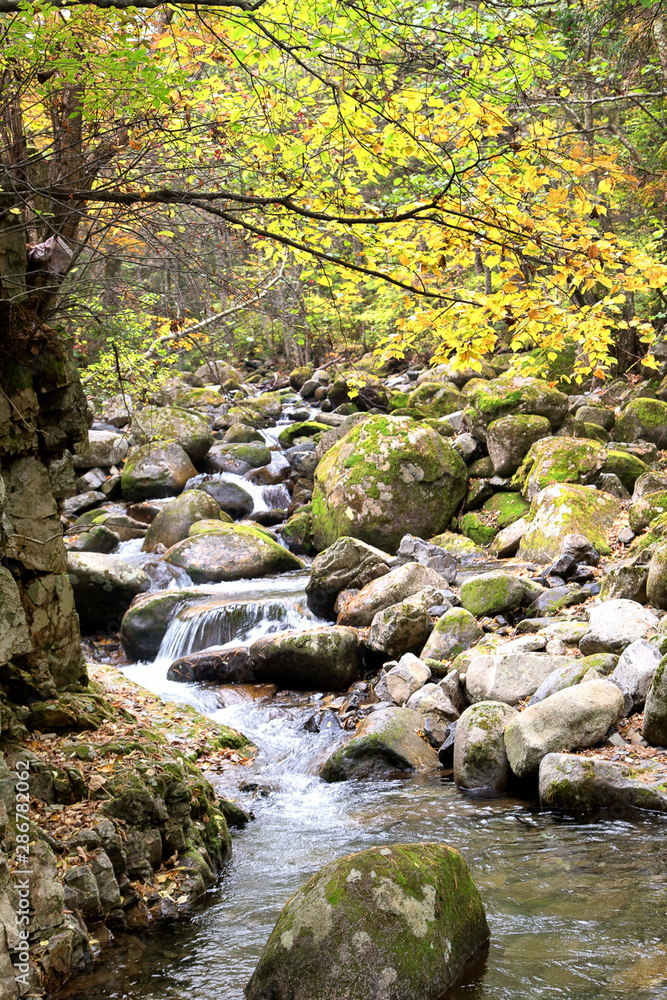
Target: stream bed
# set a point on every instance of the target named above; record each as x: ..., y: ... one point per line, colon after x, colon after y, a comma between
x: 576, y: 910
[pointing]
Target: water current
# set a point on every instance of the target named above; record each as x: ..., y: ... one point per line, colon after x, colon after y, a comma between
x: 577, y: 910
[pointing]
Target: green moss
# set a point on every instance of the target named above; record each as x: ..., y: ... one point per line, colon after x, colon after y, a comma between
x: 627, y: 467
x: 479, y: 527
x: 508, y: 507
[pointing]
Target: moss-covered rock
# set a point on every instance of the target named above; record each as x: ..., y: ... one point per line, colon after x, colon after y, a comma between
x: 510, y: 438
x: 489, y: 401
x: 656, y: 584
x: 260, y: 411
x: 173, y: 521
x: 455, y: 631
x: 390, y: 923
x: 645, y: 510
x: 573, y: 784
x: 173, y: 423
x: 645, y: 419
x: 479, y: 527
x: 298, y: 531
x: 388, y: 476
x: 627, y: 467
x: 231, y: 552
x: 385, y: 743
x: 436, y: 399
x: 654, y: 729
x: 559, y: 460
x: 480, y: 760
x: 155, y: 471
x: 104, y: 587
x: 463, y: 549
x: 301, y: 429
x: 492, y: 594
x: 315, y: 659
x: 145, y: 622
x: 564, y: 509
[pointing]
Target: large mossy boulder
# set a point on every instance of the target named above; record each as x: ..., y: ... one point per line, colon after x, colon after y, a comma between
x: 656, y: 584
x: 387, y: 477
x: 104, y: 587
x: 573, y: 784
x: 386, y: 743
x: 655, y: 713
x: 173, y: 423
x: 261, y: 411
x: 500, y: 397
x: 574, y: 717
x: 559, y: 460
x: 315, y: 659
x: 173, y: 521
x: 563, y: 509
x: 390, y: 923
x: 645, y: 419
x: 231, y: 552
x: 155, y: 471
x: 509, y: 439
x: 495, y: 593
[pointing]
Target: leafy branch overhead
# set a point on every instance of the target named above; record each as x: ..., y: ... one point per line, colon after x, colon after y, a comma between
x: 425, y: 158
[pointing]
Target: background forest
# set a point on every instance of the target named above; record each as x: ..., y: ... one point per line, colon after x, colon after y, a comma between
x: 279, y: 182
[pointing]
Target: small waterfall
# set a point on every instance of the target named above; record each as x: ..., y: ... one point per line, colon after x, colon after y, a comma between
x: 214, y: 624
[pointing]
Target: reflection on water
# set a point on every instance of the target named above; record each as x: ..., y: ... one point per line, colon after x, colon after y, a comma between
x: 576, y: 911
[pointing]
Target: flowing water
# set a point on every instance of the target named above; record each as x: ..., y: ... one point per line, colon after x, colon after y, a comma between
x: 576, y: 911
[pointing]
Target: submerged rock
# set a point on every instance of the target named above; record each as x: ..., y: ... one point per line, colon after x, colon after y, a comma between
x: 231, y: 552
x: 386, y: 742
x: 581, y: 784
x: 319, y: 658
x: 386, y: 477
x: 390, y: 923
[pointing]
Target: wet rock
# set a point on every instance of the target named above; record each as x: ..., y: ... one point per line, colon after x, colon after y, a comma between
x: 102, y: 450
x: 387, y: 476
x: 399, y: 682
x: 348, y: 563
x: 509, y: 678
x: 492, y: 594
x: 455, y: 631
x: 230, y: 497
x: 316, y: 659
x: 573, y: 717
x: 564, y: 509
x: 654, y: 729
x: 231, y: 552
x: 104, y: 587
x: 582, y: 784
x: 386, y: 742
x: 430, y: 700
x: 390, y: 923
x: 175, y: 519
x: 635, y: 670
x: 434, y: 557
x: 480, y: 760
x: 401, y: 628
x: 613, y: 625
x: 392, y: 588
x: 156, y: 470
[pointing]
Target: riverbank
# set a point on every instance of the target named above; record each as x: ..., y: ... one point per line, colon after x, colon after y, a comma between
x: 126, y: 832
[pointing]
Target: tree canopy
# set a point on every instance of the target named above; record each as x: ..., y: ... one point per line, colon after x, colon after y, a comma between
x: 467, y: 176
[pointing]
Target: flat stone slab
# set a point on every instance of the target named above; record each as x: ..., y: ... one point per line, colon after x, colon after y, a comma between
x: 571, y: 783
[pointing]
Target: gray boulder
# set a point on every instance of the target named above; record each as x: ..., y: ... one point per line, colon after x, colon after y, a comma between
x: 348, y: 563
x: 173, y: 424
x: 231, y: 552
x: 510, y: 438
x: 385, y: 743
x: 431, y: 700
x: 401, y: 681
x: 656, y: 582
x: 571, y: 718
x: 401, y: 628
x: 146, y: 621
x: 509, y: 678
x: 320, y: 658
x: 635, y: 670
x: 104, y: 587
x: 480, y: 760
x: 400, y: 583
x: 174, y: 520
x: 577, y: 671
x: 417, y: 550
x: 613, y: 625
x: 102, y: 450
x: 582, y: 784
